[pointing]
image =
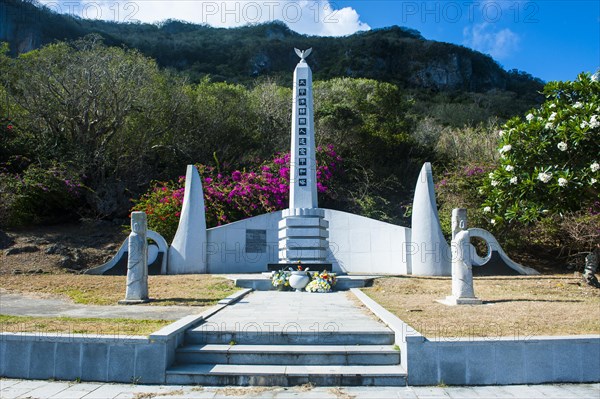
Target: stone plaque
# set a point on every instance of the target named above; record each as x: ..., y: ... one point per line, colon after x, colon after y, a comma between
x: 302, y: 92
x: 302, y: 82
x: 302, y: 141
x: 302, y: 182
x: 301, y: 161
x: 302, y: 151
x: 302, y: 121
x: 302, y: 101
x: 302, y: 171
x: 302, y: 131
x: 256, y: 241
x: 302, y: 111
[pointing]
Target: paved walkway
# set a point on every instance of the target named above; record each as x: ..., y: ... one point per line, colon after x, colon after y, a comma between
x: 273, y: 311
x: 10, y: 388
x: 20, y: 305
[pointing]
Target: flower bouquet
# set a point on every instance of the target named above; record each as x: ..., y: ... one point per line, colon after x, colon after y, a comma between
x: 322, y: 282
x: 281, y: 279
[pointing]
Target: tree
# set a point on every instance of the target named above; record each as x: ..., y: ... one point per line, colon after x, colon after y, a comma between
x: 549, y: 161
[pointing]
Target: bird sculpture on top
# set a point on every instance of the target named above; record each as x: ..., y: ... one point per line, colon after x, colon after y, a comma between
x: 303, y: 53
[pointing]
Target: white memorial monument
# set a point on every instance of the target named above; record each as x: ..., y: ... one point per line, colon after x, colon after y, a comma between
x: 303, y: 230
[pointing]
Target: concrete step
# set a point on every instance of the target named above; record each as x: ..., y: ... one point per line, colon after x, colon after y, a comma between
x: 280, y: 375
x: 200, y: 336
x: 289, y: 354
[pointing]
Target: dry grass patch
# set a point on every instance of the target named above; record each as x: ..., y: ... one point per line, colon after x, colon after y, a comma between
x: 69, y: 325
x: 192, y: 290
x: 517, y: 306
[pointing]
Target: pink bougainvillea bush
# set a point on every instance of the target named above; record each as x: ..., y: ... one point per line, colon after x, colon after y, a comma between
x: 234, y: 195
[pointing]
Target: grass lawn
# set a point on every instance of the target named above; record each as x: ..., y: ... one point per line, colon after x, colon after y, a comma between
x: 517, y: 306
x: 191, y: 290
x: 121, y: 327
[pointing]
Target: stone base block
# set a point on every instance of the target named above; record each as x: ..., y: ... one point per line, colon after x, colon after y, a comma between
x: 301, y: 254
x: 294, y: 232
x: 453, y: 301
x: 300, y: 243
x: 133, y: 301
x: 303, y: 223
x: 303, y: 212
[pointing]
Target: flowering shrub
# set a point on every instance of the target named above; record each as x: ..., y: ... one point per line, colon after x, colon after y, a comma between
x: 322, y: 282
x: 236, y: 195
x: 32, y: 194
x: 549, y: 162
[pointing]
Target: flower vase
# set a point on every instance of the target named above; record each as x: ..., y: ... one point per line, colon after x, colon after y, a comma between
x: 299, y: 280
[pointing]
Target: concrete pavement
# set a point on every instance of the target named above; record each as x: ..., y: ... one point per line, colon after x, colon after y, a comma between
x: 11, y: 388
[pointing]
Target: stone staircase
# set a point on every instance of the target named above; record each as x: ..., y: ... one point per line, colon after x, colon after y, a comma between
x: 287, y: 358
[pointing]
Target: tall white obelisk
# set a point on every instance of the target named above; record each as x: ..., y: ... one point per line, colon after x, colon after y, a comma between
x: 303, y: 230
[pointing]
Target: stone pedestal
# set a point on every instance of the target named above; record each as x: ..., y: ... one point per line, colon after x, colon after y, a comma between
x: 303, y: 236
x: 137, y: 262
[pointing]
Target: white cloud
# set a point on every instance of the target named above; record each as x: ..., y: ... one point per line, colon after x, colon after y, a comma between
x: 499, y: 44
x: 304, y: 16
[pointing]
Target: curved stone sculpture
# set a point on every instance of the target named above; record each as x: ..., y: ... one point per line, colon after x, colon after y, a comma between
x: 430, y: 253
x: 187, y: 254
x: 162, y: 248
x: 495, y: 251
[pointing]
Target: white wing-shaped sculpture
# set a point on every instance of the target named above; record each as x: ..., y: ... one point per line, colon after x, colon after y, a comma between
x: 303, y: 53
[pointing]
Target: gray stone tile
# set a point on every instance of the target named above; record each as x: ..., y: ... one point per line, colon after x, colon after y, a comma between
x: 590, y: 362
x: 121, y: 363
x: 453, y: 366
x: 522, y: 391
x: 49, y: 389
x: 17, y: 354
x: 76, y: 391
x: 481, y: 368
x: 567, y: 361
x: 13, y: 392
x: 510, y: 363
x: 41, y: 363
x: 150, y: 363
x: 539, y: 364
x: 5, y: 383
x: 67, y: 364
x: 582, y: 391
x: 107, y: 391
x: 556, y: 391
x: 430, y: 392
x: 30, y: 384
x: 463, y: 392
x: 423, y: 368
x: 94, y: 362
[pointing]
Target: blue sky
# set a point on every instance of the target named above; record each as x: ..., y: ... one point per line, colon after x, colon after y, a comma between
x: 551, y: 39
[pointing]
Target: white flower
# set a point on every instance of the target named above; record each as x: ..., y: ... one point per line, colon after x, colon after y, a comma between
x: 501, y: 133
x: 487, y: 209
x: 552, y: 116
x: 514, y: 180
x: 595, y: 167
x: 509, y: 168
x: 544, y: 177
x: 491, y: 175
x: 583, y: 124
x: 562, y: 146
x: 548, y: 126
x: 481, y: 191
x: 593, y: 181
x: 504, y: 149
x: 594, y: 122
x: 577, y: 105
x: 529, y: 117
x: 562, y: 182
x: 495, y: 183
x: 552, y: 105
x: 493, y: 221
